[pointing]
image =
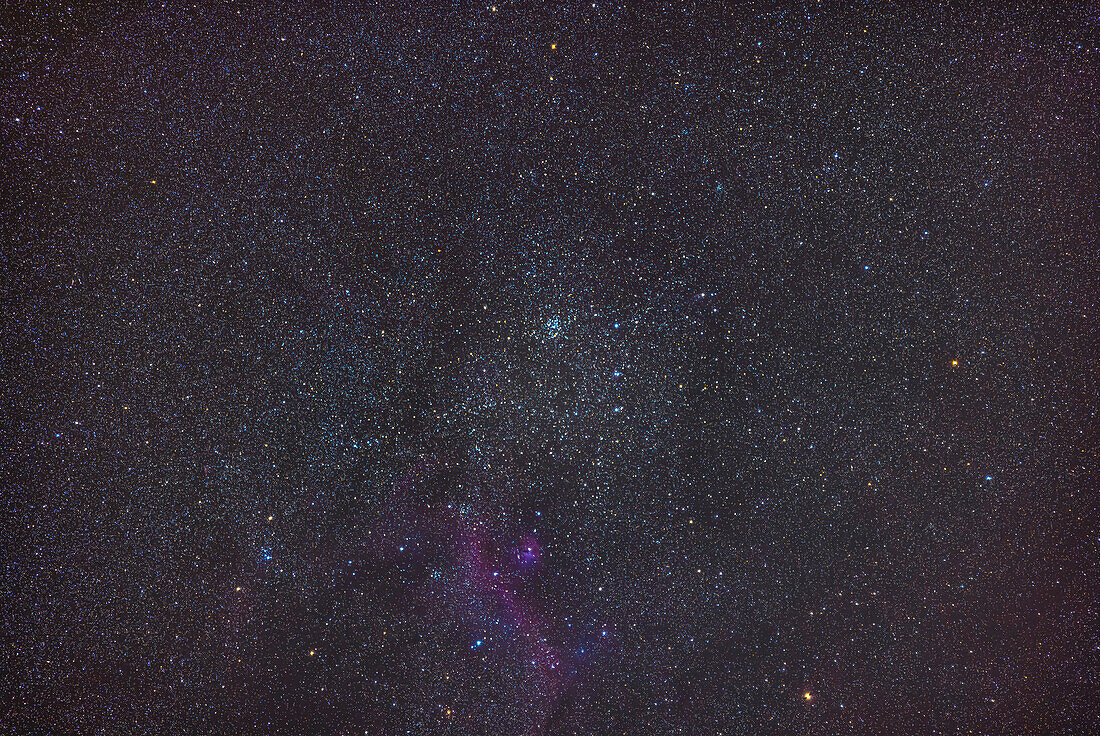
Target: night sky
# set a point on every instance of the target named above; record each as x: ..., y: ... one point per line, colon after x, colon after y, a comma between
x: 531, y: 370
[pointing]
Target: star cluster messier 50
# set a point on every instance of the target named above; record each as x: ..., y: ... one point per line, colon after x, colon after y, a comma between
x: 596, y: 368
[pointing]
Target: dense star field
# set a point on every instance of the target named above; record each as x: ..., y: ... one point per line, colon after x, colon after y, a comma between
x: 529, y: 370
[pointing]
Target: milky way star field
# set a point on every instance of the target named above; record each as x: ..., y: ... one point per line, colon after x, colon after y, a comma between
x: 549, y: 369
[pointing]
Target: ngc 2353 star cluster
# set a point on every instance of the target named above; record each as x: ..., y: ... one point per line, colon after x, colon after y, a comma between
x: 549, y: 369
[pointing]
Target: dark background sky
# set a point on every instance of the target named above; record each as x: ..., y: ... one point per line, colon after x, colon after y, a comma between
x: 768, y: 331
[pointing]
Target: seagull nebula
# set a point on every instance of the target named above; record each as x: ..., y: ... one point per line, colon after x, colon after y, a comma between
x: 549, y: 369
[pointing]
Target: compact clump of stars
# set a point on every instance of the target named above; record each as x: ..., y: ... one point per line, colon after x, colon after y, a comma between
x: 517, y: 370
